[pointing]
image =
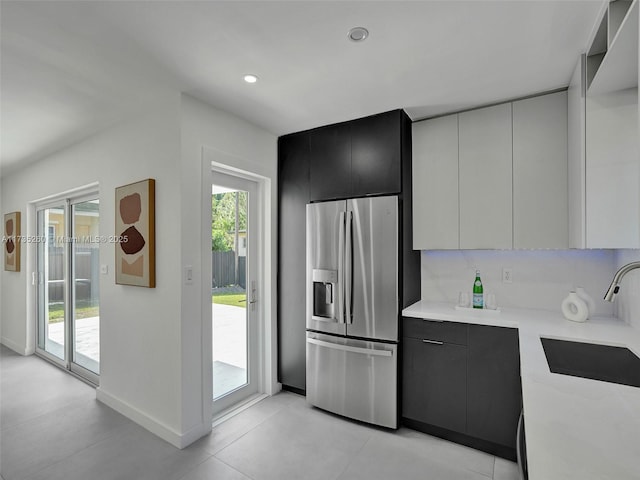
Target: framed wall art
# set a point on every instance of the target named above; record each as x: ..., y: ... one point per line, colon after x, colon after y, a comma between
x: 11, y: 237
x: 136, y: 236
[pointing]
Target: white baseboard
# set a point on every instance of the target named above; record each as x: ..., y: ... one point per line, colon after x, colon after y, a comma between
x: 178, y: 440
x: 20, y: 349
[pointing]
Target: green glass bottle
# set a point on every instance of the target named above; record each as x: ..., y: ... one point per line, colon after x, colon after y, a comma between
x: 478, y: 300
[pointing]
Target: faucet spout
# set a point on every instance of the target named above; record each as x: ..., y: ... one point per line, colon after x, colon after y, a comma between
x: 614, y: 288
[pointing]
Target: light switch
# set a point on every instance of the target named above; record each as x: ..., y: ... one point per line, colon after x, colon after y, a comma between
x: 104, y: 269
x: 188, y: 275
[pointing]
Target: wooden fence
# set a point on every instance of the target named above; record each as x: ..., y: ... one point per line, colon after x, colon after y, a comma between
x: 87, y: 269
x: 87, y: 265
x: 223, y: 267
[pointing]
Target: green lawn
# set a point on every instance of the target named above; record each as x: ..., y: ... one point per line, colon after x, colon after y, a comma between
x: 233, y: 299
x: 56, y: 312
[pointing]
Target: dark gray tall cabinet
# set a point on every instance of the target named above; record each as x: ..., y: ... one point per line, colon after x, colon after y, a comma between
x: 367, y: 156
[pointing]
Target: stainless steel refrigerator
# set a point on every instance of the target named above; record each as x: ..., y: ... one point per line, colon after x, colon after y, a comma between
x: 352, y: 308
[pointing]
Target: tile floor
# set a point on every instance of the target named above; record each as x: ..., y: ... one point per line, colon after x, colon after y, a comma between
x: 51, y: 427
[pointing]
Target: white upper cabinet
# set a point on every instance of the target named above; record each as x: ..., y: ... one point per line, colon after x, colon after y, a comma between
x: 540, y: 172
x: 576, y: 144
x: 613, y: 170
x: 485, y: 163
x: 435, y: 184
x: 609, y: 210
x: 492, y: 178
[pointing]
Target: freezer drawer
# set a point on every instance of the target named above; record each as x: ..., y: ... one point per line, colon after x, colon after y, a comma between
x: 354, y: 378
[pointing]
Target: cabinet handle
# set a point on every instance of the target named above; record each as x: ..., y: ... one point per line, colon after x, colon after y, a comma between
x: 434, y: 342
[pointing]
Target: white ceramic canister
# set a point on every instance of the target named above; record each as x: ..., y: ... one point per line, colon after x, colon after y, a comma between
x: 591, y: 304
x: 574, y: 308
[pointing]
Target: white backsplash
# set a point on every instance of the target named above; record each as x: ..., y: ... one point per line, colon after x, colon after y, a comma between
x: 628, y: 300
x: 541, y: 278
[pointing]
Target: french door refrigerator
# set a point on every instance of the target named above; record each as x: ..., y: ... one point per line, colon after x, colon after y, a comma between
x: 352, y: 308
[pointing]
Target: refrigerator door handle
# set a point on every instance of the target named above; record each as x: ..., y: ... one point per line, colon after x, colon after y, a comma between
x: 348, y: 282
x: 341, y: 234
x: 348, y: 348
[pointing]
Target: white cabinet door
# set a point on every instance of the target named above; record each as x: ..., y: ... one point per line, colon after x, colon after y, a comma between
x: 576, y: 144
x: 540, y: 172
x: 613, y: 170
x: 435, y: 184
x: 485, y: 179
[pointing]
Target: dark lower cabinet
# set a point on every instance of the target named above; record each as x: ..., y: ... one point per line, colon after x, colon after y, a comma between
x: 493, y: 384
x: 435, y: 383
x: 468, y: 392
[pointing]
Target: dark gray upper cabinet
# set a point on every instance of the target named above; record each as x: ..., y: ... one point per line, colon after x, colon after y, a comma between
x: 493, y: 384
x: 376, y: 154
x: 357, y: 158
x: 293, y: 180
x: 330, y: 166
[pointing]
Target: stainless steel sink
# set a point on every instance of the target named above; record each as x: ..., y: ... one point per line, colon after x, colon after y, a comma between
x: 591, y: 360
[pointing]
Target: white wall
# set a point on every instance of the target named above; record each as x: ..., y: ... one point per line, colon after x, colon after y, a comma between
x: 154, y: 360
x: 209, y: 135
x: 140, y: 328
x: 541, y: 278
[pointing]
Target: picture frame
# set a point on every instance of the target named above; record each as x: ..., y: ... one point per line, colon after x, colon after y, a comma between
x: 11, y: 241
x: 135, y: 256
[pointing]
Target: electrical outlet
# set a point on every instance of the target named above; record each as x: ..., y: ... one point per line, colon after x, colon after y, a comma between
x: 507, y: 275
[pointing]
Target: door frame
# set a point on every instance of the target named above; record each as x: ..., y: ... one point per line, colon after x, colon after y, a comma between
x: 67, y: 200
x: 216, y: 160
x: 252, y: 310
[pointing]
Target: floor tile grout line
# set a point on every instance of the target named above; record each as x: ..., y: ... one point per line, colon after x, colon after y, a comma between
x: 84, y: 448
x: 196, y: 466
x: 234, y: 468
x: 65, y: 406
x: 248, y: 431
x: 353, y: 457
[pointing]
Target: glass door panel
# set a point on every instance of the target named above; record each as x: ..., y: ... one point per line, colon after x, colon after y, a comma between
x: 229, y: 292
x: 235, y: 351
x: 85, y: 273
x: 51, y: 284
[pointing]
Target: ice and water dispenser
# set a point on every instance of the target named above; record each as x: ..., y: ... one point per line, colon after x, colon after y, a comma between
x: 325, y: 294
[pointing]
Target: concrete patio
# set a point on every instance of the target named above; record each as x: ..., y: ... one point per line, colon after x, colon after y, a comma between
x: 229, y: 345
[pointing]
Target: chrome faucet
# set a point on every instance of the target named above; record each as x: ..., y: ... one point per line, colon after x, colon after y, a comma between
x: 617, y: 278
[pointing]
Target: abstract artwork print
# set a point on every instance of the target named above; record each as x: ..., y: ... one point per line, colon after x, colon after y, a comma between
x: 11, y: 242
x: 135, y: 231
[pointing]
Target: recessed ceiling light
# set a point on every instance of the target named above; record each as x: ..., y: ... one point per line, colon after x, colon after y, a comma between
x: 250, y: 78
x: 358, y: 34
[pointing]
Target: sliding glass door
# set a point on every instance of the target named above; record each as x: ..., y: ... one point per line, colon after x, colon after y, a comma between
x: 52, y: 295
x: 68, y: 284
x: 85, y: 270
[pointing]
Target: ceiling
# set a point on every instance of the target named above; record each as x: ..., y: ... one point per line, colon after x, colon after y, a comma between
x: 70, y: 69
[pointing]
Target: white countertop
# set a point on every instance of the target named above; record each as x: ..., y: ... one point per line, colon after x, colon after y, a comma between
x: 576, y: 428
